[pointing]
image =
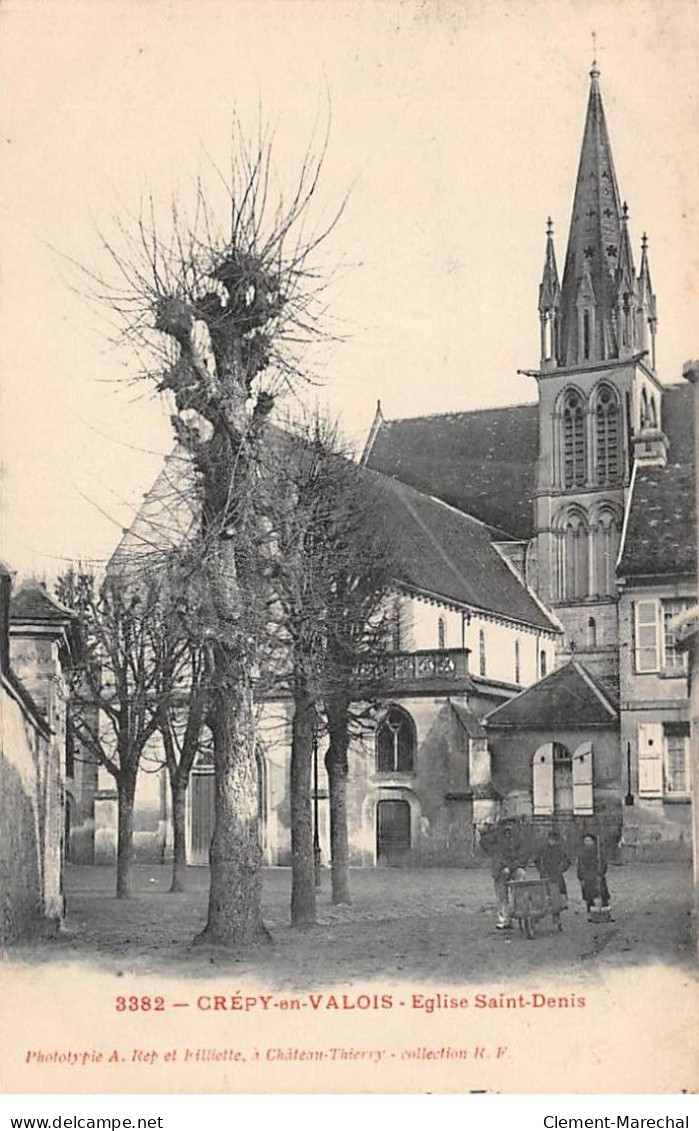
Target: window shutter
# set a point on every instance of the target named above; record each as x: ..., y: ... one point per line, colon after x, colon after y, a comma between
x: 542, y: 780
x: 650, y: 760
x: 647, y: 636
x: 583, y: 800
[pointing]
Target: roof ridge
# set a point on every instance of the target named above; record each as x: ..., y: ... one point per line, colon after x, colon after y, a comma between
x: 592, y: 683
x: 465, y: 514
x: 460, y: 412
x: 441, y: 502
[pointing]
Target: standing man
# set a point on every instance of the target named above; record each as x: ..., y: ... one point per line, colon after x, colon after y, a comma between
x: 508, y: 863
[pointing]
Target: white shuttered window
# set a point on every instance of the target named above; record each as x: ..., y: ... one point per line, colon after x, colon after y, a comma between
x: 582, y: 780
x: 650, y: 760
x: 542, y: 780
x: 647, y: 636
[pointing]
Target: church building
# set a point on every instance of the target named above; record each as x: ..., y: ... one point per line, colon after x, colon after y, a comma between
x: 547, y: 550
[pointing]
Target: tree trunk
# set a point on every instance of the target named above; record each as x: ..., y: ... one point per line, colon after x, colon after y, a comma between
x: 235, y: 894
x: 126, y: 793
x: 303, y: 890
x: 178, y: 791
x: 337, y: 767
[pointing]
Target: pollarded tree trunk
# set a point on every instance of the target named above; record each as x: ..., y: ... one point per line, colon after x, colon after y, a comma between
x: 336, y: 764
x: 178, y: 790
x: 126, y: 793
x: 235, y: 894
x: 303, y: 892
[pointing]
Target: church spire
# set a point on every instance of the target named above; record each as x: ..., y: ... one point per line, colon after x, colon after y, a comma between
x: 647, y: 307
x: 588, y: 306
x: 549, y: 301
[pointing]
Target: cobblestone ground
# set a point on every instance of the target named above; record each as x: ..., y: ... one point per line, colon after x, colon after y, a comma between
x: 436, y: 925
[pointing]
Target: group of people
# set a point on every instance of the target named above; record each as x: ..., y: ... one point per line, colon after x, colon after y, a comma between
x: 510, y: 860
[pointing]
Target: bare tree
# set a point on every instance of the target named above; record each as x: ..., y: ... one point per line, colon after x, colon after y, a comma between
x: 223, y: 318
x: 333, y: 569
x: 183, y: 688
x: 115, y: 706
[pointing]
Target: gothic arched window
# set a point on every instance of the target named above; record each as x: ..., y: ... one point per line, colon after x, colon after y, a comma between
x: 575, y: 581
x: 518, y: 665
x: 542, y: 663
x: 592, y: 633
x: 481, y: 652
x: 586, y: 335
x: 645, y: 409
x: 607, y: 461
x: 395, y: 743
x: 441, y: 634
x: 574, y: 455
x: 606, y: 550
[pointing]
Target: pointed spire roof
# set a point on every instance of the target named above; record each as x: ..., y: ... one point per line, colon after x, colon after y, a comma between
x: 550, y: 289
x: 645, y: 286
x: 626, y: 273
x: 595, y: 235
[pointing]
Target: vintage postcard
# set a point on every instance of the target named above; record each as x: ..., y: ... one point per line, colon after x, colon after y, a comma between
x: 348, y: 598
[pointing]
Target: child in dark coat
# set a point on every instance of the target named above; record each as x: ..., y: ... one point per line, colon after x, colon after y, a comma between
x: 553, y: 863
x: 592, y: 872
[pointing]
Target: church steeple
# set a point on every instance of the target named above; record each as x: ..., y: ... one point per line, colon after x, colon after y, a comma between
x: 591, y: 277
x: 549, y: 302
x: 647, y: 308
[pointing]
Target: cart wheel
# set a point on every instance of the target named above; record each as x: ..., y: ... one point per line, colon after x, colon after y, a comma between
x: 529, y: 927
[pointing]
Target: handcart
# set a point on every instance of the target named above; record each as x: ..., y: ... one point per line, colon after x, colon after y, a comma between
x: 532, y: 900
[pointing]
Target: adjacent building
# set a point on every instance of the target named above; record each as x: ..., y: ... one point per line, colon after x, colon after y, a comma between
x: 37, y: 649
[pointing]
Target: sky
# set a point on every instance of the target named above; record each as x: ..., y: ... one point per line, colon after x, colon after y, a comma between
x: 455, y: 126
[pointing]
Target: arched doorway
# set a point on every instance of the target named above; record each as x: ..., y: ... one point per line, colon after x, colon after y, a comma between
x: 393, y: 833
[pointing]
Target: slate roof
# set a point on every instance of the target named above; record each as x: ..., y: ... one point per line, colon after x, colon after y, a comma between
x: 447, y: 553
x: 568, y: 697
x: 441, y: 551
x: 482, y: 462
x: 33, y: 604
x: 660, y: 533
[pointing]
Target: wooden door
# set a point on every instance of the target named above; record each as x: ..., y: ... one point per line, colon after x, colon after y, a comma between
x: 201, y: 817
x: 393, y: 833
